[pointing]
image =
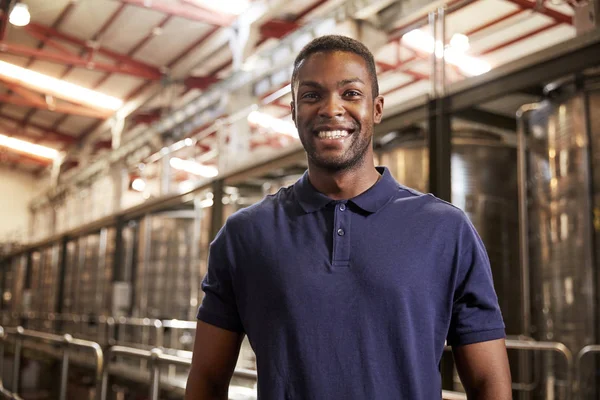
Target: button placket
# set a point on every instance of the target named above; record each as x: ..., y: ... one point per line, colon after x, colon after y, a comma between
x: 341, y: 240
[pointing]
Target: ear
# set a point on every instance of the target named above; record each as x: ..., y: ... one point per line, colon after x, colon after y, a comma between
x: 377, y: 109
x: 293, y: 108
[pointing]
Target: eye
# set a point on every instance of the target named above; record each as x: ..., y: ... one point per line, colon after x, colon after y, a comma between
x: 352, y: 93
x: 310, y: 96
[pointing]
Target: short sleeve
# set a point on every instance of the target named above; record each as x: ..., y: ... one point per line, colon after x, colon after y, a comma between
x: 218, y: 306
x: 476, y: 315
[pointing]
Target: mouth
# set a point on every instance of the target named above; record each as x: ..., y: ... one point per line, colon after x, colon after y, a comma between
x: 333, y: 132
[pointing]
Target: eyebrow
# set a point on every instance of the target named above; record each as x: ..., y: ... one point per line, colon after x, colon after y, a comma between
x: 341, y: 83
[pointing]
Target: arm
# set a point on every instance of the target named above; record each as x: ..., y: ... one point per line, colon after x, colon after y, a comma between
x: 215, y: 355
x: 484, y: 371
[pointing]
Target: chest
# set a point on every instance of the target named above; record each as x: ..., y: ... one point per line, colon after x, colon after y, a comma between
x: 327, y: 263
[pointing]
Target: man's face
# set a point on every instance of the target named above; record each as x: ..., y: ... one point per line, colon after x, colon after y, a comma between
x: 334, y: 109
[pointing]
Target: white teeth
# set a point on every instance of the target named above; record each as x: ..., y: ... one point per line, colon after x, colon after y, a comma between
x: 332, y: 134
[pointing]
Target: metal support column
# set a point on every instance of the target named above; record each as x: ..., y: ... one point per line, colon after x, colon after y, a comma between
x: 62, y: 272
x: 216, y: 218
x: 440, y: 149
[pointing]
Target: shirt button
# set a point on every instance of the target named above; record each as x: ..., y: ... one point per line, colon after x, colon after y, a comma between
x: 340, y: 232
x: 342, y: 207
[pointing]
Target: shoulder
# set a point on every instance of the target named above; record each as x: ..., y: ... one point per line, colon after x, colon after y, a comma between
x: 261, y: 214
x: 428, y: 207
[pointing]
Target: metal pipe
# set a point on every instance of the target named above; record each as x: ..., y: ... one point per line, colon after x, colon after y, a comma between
x: 442, y: 66
x: 592, y: 348
x: 17, y: 359
x: 64, y: 376
x: 433, y: 24
x: 523, y: 216
x: 155, y: 373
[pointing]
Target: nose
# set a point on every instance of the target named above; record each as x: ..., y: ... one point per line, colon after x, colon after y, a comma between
x: 331, y: 107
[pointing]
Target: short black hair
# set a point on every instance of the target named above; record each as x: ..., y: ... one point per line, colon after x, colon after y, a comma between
x: 331, y: 43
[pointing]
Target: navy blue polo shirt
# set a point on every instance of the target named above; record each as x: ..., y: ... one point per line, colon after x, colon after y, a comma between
x: 351, y: 299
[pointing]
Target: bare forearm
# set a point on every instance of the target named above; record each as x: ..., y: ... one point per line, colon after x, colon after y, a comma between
x: 202, y: 389
x: 493, y: 390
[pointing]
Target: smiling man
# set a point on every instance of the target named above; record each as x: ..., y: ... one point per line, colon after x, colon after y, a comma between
x: 347, y: 283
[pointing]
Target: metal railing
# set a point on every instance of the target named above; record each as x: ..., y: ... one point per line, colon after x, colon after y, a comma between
x: 156, y: 358
x: 65, y: 341
x: 590, y: 349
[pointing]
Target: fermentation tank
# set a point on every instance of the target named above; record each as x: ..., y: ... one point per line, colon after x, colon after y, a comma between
x: 484, y: 185
x: 563, y: 217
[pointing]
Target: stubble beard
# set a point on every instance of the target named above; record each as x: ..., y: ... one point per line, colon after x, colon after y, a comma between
x: 359, y: 149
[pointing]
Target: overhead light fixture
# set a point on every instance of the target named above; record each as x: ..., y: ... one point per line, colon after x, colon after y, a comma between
x: 58, y: 88
x: 235, y: 7
x: 29, y: 148
x: 453, y: 54
x: 138, y: 185
x: 19, y: 16
x: 275, y: 124
x: 460, y: 42
x: 193, y: 167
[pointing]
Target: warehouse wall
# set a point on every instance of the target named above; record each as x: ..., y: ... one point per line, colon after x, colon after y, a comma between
x: 17, y: 189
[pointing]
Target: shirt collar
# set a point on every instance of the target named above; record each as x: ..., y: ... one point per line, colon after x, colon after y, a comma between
x: 371, y: 200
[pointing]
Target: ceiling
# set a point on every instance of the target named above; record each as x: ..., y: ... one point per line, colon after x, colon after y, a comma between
x: 155, y: 55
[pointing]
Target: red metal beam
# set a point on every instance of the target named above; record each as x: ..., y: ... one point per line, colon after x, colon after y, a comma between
x: 72, y: 60
x: 518, y: 39
x: 184, y: 11
x: 59, y: 108
x: 493, y: 22
x: 19, y: 156
x: 47, y: 135
x: 118, y: 57
x: 400, y: 87
x: 276, y: 28
x: 52, y: 134
x: 49, y: 42
x: 555, y: 15
x: 199, y: 82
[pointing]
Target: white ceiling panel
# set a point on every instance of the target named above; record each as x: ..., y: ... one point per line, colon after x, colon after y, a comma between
x: 529, y: 46
x: 131, y: 26
x: 48, y: 68
x: 83, y: 77
x: 75, y: 124
x: 408, y: 93
x: 176, y: 36
x: 19, y: 36
x: 477, y: 14
x: 14, y: 111
x: 46, y: 12
x: 88, y: 17
x: 510, y: 32
x: 119, y: 85
x: 45, y: 118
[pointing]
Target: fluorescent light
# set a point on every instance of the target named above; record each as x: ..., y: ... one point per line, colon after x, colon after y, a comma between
x: 59, y: 88
x: 26, y: 147
x: 138, y: 184
x: 272, y: 123
x: 419, y: 40
x: 19, y: 16
x: 193, y: 167
x: 460, y: 42
x: 235, y: 7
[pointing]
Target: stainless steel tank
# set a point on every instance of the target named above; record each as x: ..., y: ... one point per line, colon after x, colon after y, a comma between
x: 484, y: 185
x: 563, y: 200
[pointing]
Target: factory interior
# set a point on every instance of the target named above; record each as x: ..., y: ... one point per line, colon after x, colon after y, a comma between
x: 130, y: 130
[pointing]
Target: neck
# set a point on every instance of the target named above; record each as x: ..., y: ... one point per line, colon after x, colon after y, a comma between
x: 344, y: 184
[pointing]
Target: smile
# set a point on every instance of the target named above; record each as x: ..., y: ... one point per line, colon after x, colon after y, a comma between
x: 338, y: 134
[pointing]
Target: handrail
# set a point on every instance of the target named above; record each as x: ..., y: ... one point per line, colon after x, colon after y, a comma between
x: 66, y: 341
x: 592, y: 348
x: 156, y: 358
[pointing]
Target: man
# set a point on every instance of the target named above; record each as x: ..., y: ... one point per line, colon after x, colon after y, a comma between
x: 347, y: 283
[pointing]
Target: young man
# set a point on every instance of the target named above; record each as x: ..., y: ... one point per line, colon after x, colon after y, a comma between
x: 347, y: 283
